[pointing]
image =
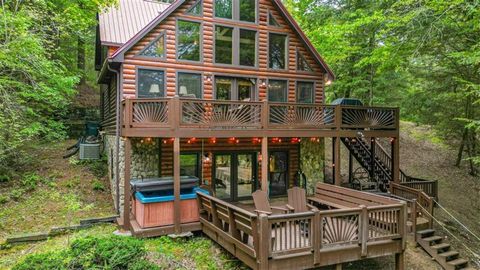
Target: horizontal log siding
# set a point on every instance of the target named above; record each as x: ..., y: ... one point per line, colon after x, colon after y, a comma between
x: 108, y: 106
x: 245, y: 145
x: 171, y: 65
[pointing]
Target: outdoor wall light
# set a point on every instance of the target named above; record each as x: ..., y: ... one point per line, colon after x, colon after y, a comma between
x: 207, y: 78
x: 263, y: 82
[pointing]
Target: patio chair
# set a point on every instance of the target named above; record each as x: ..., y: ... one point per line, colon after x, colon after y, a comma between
x: 262, y: 205
x: 297, y: 200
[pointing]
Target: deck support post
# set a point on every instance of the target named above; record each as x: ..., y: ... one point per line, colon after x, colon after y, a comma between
x: 336, y: 161
x: 176, y: 184
x: 399, y: 261
x: 265, y: 159
x: 126, y: 185
x: 265, y: 238
x: 395, y: 147
x: 372, y: 157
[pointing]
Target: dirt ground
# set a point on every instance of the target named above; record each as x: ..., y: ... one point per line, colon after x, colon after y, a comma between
x: 66, y: 192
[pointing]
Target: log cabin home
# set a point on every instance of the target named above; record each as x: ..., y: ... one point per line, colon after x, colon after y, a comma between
x: 215, y: 99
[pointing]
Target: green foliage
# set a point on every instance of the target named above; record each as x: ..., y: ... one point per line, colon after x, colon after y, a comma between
x: 4, y: 178
x: 103, y: 252
x: 97, y: 185
x: 30, y: 181
x: 4, y: 199
x: 17, y: 193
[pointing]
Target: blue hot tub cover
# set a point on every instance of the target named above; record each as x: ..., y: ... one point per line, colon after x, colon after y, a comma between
x: 167, y: 195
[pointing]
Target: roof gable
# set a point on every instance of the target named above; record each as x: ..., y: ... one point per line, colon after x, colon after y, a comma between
x: 118, y: 56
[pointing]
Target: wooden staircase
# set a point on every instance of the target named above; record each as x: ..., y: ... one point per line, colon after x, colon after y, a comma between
x: 437, y: 247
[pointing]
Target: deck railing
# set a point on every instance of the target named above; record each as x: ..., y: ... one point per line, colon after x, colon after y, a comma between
x: 233, y: 115
x: 416, y: 197
x: 257, y: 239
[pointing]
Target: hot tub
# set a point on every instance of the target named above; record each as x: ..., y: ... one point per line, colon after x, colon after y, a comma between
x: 153, y: 208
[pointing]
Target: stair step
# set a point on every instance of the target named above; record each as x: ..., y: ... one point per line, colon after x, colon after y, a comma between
x: 432, y: 238
x: 440, y: 246
x: 426, y: 233
x: 450, y: 253
x: 458, y: 262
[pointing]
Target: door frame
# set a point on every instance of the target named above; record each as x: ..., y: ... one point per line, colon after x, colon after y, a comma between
x: 234, y: 172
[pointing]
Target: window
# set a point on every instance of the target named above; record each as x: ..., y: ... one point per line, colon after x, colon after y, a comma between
x: 196, y: 9
x: 188, y: 40
x: 241, y: 10
x: 305, y: 92
x: 150, y: 83
x: 156, y: 48
x: 277, y: 51
x: 231, y: 88
x: 272, y: 21
x: 248, y: 10
x: 189, y: 165
x: 189, y: 85
x: 248, y: 42
x: 223, y: 44
x: 277, y: 90
x: 223, y: 9
x: 302, y: 64
x: 226, y: 38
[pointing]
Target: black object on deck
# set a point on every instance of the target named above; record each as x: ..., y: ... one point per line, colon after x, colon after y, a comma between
x: 162, y: 183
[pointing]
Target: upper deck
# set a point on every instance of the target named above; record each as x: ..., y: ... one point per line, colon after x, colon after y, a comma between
x: 182, y: 117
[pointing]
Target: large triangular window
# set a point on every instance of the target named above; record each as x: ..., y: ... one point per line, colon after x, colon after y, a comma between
x: 302, y: 63
x: 271, y: 20
x: 156, y: 48
x: 196, y: 9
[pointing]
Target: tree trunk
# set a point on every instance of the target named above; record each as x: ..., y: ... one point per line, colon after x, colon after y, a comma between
x: 81, y: 59
x: 460, y: 149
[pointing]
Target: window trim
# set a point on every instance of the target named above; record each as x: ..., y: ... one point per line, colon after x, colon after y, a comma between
x: 297, y: 53
x: 313, y: 82
x: 177, y: 89
x: 236, y: 46
x: 287, y: 51
x: 234, y: 77
x: 278, y: 79
x: 199, y: 21
x: 188, y: 11
x: 137, y: 68
x: 236, y: 13
x: 164, y: 57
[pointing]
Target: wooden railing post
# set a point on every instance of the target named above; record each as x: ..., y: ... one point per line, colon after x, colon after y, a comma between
x: 232, y: 226
x: 403, y: 224
x: 317, y: 236
x: 128, y: 114
x: 338, y: 117
x: 175, y: 113
x: 265, y: 114
x: 264, y: 245
x: 414, y: 218
x: 364, y: 229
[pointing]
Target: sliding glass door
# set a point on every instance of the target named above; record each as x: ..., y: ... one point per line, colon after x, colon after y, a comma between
x: 234, y: 175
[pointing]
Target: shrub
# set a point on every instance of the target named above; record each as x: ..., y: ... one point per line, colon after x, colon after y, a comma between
x: 97, y: 185
x: 4, y: 199
x: 16, y: 194
x: 30, y: 181
x: 115, y: 251
x: 4, y: 178
x: 110, y: 252
x: 44, y: 261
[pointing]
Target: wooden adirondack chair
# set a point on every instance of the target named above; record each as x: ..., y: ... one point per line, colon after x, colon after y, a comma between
x: 297, y: 200
x: 262, y: 205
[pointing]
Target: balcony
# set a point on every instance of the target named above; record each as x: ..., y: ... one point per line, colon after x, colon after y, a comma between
x: 181, y: 117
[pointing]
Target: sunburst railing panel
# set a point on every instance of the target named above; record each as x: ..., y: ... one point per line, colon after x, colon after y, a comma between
x: 301, y: 115
x: 369, y: 117
x: 220, y: 114
x: 340, y: 229
x: 149, y: 113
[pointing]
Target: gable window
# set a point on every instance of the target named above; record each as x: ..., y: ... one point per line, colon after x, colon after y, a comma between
x: 223, y: 44
x: 302, y: 63
x: 248, y: 10
x: 156, y: 48
x: 238, y: 10
x: 223, y: 9
x: 277, y: 51
x: 272, y: 21
x: 277, y: 90
x: 305, y: 92
x: 150, y: 83
x: 188, y: 40
x: 245, y: 42
x: 248, y: 40
x: 196, y: 9
x: 189, y: 85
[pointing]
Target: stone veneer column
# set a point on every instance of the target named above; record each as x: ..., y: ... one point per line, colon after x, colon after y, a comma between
x: 312, y: 159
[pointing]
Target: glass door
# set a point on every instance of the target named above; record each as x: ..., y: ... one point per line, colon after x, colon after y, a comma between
x: 230, y: 88
x: 278, y: 173
x: 234, y: 175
